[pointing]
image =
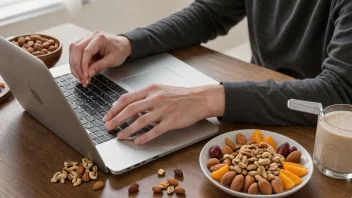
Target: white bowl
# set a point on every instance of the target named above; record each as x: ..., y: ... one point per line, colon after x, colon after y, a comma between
x: 306, y: 160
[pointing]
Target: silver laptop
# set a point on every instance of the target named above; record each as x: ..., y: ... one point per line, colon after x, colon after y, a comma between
x: 74, y: 113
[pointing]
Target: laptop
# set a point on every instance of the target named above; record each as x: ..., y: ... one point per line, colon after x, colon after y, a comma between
x: 75, y: 113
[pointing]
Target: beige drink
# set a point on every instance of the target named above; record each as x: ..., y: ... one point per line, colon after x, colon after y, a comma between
x: 333, y: 142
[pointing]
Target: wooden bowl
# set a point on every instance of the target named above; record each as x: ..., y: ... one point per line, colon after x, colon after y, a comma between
x: 49, y: 59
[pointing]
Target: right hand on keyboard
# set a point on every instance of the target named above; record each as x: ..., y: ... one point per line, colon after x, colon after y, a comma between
x: 95, y: 52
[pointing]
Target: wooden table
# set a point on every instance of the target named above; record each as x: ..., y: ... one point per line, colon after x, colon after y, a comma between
x: 30, y: 153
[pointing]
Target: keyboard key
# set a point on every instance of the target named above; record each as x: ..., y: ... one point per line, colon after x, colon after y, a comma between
x: 115, y: 96
x: 118, y: 89
x: 93, y: 105
x: 66, y: 94
x: 72, y: 98
x: 60, y: 78
x: 97, y: 116
x: 89, y: 118
x: 83, y: 121
x: 65, y: 83
x: 81, y: 115
x: 96, y: 123
x: 90, y: 111
x: 78, y: 102
x: 111, y: 135
x: 109, y: 100
x: 88, y: 125
x: 105, y: 138
x: 99, y: 133
x: 98, y: 141
x: 92, y: 137
x: 69, y: 86
x: 124, y: 125
x: 94, y: 129
x: 73, y: 106
x: 78, y: 110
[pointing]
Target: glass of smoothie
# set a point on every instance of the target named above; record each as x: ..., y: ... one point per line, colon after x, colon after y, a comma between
x: 333, y: 142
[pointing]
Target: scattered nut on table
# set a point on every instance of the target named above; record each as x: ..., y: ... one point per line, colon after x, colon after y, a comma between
x: 77, y: 173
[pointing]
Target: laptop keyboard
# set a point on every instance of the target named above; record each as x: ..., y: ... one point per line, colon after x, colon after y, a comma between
x: 91, y: 103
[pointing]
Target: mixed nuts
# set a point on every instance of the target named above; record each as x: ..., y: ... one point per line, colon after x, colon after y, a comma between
x: 78, y: 172
x: 255, y: 165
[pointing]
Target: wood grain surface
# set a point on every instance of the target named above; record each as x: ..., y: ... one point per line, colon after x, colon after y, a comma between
x: 30, y: 153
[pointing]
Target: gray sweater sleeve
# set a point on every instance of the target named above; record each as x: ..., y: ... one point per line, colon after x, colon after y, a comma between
x: 266, y: 102
x: 203, y: 20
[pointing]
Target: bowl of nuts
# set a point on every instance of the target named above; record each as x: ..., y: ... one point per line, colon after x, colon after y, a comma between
x: 45, y: 47
x: 256, y: 163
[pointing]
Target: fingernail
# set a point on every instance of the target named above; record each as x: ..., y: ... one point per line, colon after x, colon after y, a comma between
x: 137, y: 141
x: 106, y: 117
x: 87, y: 82
x: 107, y: 125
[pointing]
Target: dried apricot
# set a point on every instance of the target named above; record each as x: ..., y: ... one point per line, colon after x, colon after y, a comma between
x: 295, y: 168
x: 220, y: 172
x: 270, y: 141
x: 257, y: 136
x: 293, y: 177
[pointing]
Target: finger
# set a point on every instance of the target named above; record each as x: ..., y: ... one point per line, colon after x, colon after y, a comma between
x: 128, y: 112
x: 139, y: 124
x: 123, y: 102
x: 155, y: 132
x: 98, y: 66
x: 89, y: 51
x: 71, y: 55
x: 77, y: 57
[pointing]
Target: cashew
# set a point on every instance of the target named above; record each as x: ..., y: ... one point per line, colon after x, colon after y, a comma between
x: 78, y: 182
x: 253, y: 173
x: 276, y: 173
x: 244, y: 172
x: 63, y: 176
x: 244, y: 160
x: 267, y: 155
x: 227, y: 156
x: 93, y: 175
x: 270, y: 177
x: 276, y: 159
x: 256, y: 164
x: 263, y: 173
x: 236, y: 160
x: 251, y: 167
x: 73, y: 168
x: 264, y: 161
x: 259, y: 156
x: 252, y: 159
x: 73, y: 176
x: 263, y: 145
x: 55, y: 177
x: 271, y: 150
x: 273, y: 167
x: 234, y: 154
x: 68, y: 164
x: 242, y: 165
x: 95, y: 168
x: 238, y: 169
x: 232, y: 168
x: 66, y: 169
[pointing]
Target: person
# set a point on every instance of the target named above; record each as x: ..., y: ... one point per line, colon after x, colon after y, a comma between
x: 308, y: 40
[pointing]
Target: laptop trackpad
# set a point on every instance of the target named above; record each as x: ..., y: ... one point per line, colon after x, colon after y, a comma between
x: 158, y: 76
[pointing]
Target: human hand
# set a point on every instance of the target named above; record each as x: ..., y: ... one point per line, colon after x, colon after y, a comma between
x: 95, y: 52
x: 170, y: 107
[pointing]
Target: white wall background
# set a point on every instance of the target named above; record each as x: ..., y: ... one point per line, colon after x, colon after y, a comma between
x: 117, y: 16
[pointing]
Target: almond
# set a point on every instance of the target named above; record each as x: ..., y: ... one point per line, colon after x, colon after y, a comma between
x: 264, y: 185
x: 52, y: 48
x: 35, y: 37
x: 30, y: 44
x: 227, y: 178
x: 133, y: 188
x: 241, y: 139
x: 277, y: 185
x: 253, y: 189
x: 248, y: 181
x: 80, y: 170
x: 98, y: 185
x: 46, y: 44
x: 37, y: 47
x: 212, y: 162
x: 216, y: 167
x: 180, y: 190
x: 157, y: 189
x: 172, y: 181
x: 237, y: 183
x: 226, y: 150
x: 227, y: 161
x: 294, y: 157
x: 85, y: 176
x: 229, y: 143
